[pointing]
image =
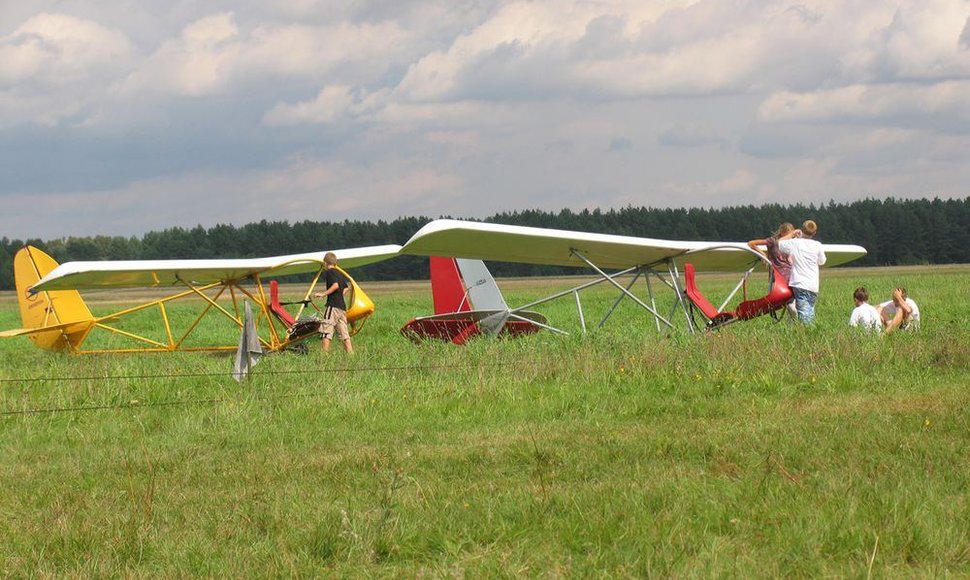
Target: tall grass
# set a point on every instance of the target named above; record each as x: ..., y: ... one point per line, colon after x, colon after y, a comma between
x: 767, y: 449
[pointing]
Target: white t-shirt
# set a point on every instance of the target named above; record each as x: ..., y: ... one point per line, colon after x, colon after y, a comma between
x: 889, y: 309
x: 806, y: 256
x: 866, y: 316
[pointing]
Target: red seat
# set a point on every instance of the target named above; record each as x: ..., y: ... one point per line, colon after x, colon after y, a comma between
x: 778, y: 296
x: 695, y: 296
x: 277, y: 308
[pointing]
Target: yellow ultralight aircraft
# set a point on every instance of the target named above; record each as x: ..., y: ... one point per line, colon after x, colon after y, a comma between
x: 56, y: 318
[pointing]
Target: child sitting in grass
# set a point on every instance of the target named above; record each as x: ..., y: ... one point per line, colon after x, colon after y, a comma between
x: 900, y: 313
x: 864, y: 315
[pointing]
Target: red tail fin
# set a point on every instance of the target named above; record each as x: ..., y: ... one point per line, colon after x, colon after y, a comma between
x: 447, y: 287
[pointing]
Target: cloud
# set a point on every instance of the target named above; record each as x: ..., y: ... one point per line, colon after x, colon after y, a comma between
x: 57, y: 49
x: 941, y: 105
x: 741, y: 181
x: 620, y: 144
x: 304, y: 187
x: 55, y: 66
x: 691, y: 135
x: 378, y: 109
x: 214, y: 55
x: 331, y: 104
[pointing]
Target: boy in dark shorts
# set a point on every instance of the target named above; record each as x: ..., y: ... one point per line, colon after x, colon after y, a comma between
x: 335, y: 315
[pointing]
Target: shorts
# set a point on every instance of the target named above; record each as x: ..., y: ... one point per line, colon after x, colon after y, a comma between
x: 334, y: 319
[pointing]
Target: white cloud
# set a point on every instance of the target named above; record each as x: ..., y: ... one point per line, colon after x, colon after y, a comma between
x: 691, y: 135
x: 304, y: 187
x: 741, y: 181
x: 214, y: 55
x: 198, y: 62
x: 57, y: 50
x: 378, y: 109
x: 56, y: 66
x: 332, y: 103
x: 889, y: 104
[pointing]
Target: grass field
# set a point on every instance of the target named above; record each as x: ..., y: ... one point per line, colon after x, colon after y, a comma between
x: 764, y: 450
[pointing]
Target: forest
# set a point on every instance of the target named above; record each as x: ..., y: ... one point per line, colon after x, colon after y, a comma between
x: 894, y: 231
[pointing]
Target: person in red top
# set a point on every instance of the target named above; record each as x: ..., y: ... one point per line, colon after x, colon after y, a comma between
x: 777, y: 259
x: 335, y: 315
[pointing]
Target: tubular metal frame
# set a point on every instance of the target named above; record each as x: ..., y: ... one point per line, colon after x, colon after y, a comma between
x: 272, y: 338
x: 665, y: 270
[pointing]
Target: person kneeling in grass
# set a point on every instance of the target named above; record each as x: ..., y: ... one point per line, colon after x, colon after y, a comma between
x: 865, y: 315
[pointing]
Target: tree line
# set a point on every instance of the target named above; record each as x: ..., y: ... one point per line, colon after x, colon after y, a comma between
x: 894, y: 231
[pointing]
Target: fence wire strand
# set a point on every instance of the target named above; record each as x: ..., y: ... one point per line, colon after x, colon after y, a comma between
x: 213, y: 400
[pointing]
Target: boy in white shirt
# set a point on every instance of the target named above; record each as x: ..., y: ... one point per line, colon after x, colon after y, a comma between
x: 806, y: 256
x: 900, y: 313
x: 865, y: 315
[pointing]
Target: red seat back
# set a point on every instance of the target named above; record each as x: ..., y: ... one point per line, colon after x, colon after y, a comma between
x: 695, y: 296
x: 277, y: 308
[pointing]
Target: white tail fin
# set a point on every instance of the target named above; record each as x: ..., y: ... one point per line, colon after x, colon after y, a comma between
x: 480, y: 286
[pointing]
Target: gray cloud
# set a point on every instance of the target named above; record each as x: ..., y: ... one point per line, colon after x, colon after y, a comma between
x: 127, y: 117
x: 620, y: 144
x: 691, y: 135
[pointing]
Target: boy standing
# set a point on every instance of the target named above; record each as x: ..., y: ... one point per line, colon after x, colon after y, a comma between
x: 806, y: 256
x: 865, y: 315
x: 335, y: 315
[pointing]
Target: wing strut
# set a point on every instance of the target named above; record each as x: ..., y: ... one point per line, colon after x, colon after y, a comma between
x: 626, y: 292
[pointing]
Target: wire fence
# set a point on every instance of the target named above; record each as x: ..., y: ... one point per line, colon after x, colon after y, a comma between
x: 212, y: 400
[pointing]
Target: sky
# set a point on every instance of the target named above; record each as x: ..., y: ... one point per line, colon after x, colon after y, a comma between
x: 118, y: 117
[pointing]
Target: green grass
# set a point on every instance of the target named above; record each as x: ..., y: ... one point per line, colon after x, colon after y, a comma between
x: 763, y: 450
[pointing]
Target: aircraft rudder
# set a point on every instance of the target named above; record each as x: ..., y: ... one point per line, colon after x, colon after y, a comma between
x: 447, y: 286
x: 48, y: 308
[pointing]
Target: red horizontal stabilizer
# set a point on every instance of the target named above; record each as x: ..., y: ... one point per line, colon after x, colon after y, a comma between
x: 459, y: 327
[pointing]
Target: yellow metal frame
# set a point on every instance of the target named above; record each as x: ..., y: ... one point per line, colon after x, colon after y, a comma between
x: 273, y: 339
x: 59, y: 320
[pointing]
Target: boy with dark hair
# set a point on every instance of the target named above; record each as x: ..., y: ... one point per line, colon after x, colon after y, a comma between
x: 335, y: 315
x: 864, y: 315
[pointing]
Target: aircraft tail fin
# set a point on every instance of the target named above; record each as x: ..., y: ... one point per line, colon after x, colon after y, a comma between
x: 56, y: 319
x: 460, y: 285
x: 447, y: 287
x: 481, y: 287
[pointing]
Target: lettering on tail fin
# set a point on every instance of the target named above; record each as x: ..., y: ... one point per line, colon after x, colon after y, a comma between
x: 481, y: 287
x: 63, y: 309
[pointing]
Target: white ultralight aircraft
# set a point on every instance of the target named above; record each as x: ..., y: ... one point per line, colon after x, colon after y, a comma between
x: 652, y: 259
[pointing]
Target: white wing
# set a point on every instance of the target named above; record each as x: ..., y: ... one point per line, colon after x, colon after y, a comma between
x: 528, y: 245
x: 139, y: 273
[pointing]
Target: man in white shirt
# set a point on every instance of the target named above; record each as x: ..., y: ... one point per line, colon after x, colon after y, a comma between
x: 806, y: 256
x: 900, y: 313
x: 865, y: 315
